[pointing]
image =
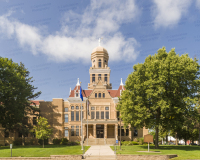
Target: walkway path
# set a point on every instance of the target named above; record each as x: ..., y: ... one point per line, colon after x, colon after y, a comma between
x: 99, y: 150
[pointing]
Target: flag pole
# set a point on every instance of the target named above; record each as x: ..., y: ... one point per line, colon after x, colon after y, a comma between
x: 87, y: 119
x: 81, y: 119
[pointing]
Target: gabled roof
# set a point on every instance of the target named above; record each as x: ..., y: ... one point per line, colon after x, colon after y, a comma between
x: 37, y: 102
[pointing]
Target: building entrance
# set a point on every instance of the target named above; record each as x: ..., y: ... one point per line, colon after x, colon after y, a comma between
x: 100, y: 131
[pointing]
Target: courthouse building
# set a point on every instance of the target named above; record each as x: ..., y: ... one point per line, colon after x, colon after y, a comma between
x: 103, y: 117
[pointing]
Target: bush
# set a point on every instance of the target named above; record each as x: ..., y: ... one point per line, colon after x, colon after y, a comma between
x: 64, y: 141
x: 73, y: 143
x: 40, y: 141
x: 141, y: 141
x: 33, y: 141
x: 135, y: 143
x: 17, y: 141
x: 136, y: 139
x: 56, y: 141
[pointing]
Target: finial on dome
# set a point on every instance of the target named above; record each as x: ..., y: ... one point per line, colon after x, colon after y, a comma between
x: 100, y: 41
x: 78, y: 84
x: 121, y: 84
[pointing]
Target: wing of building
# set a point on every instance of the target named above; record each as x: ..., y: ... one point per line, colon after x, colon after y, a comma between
x: 99, y: 104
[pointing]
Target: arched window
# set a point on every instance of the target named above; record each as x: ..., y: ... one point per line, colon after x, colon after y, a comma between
x: 99, y: 63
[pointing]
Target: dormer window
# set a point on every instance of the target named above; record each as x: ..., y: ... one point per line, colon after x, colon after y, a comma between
x: 99, y: 63
x: 77, y: 95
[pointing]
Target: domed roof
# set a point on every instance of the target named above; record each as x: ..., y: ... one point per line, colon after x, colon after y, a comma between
x: 99, y: 49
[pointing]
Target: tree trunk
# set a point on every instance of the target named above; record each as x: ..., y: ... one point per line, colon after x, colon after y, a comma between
x: 43, y: 143
x: 176, y: 139
x: 185, y: 140
x: 166, y: 138
x: 156, y: 143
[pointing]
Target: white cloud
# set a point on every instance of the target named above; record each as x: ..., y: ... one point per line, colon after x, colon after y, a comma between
x: 169, y: 12
x: 79, y: 33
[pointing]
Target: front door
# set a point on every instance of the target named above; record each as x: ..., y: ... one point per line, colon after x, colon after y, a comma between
x: 100, y: 131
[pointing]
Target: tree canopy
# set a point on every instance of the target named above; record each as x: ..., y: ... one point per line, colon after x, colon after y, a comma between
x: 161, y: 91
x: 16, y: 92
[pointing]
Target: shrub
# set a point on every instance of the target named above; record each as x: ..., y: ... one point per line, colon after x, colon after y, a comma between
x: 141, y: 141
x: 136, y: 139
x: 33, y: 141
x: 135, y: 143
x: 56, y: 141
x: 40, y: 141
x: 73, y: 143
x: 17, y: 141
x: 64, y: 141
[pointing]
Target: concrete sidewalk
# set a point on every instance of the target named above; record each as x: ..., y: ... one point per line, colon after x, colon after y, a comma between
x: 99, y: 150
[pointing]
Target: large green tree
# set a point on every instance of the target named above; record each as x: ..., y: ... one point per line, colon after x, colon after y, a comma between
x: 16, y: 91
x: 161, y: 91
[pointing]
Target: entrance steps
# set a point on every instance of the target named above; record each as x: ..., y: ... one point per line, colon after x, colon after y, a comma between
x: 101, y: 157
x: 99, y: 141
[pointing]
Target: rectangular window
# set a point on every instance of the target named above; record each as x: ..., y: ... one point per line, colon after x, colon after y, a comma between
x: 77, y: 115
x: 6, y: 135
x: 66, y: 133
x: 93, y: 77
x: 102, y: 114
x: 92, y: 108
x: 77, y: 107
x: 72, y: 115
x: 66, y: 118
x: 103, y: 95
x: 105, y: 77
x: 77, y: 130
x: 99, y: 95
x: 66, y: 109
x: 82, y: 114
x: 72, y: 130
x: 122, y: 131
x: 97, y: 114
x: 107, y: 115
x: 34, y: 121
x: 72, y: 107
x: 99, y: 76
x: 127, y: 132
x: 135, y: 132
x: 95, y: 95
x: 92, y: 115
x: 118, y: 114
x: 106, y: 108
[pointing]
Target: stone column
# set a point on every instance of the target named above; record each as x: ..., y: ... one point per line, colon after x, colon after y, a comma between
x: 105, y: 130
x: 116, y: 131
x: 94, y: 130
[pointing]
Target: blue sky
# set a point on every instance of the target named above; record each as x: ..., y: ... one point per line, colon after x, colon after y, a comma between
x: 54, y: 39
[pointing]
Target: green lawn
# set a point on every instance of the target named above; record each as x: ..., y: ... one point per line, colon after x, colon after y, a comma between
x: 183, y: 152
x: 38, y: 151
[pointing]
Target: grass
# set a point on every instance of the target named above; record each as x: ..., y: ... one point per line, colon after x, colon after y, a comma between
x: 38, y: 151
x: 183, y: 152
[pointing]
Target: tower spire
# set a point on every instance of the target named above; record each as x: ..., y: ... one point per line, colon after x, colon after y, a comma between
x: 121, y: 84
x: 78, y: 84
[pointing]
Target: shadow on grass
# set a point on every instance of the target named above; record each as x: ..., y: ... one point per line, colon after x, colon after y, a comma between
x: 173, y: 147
